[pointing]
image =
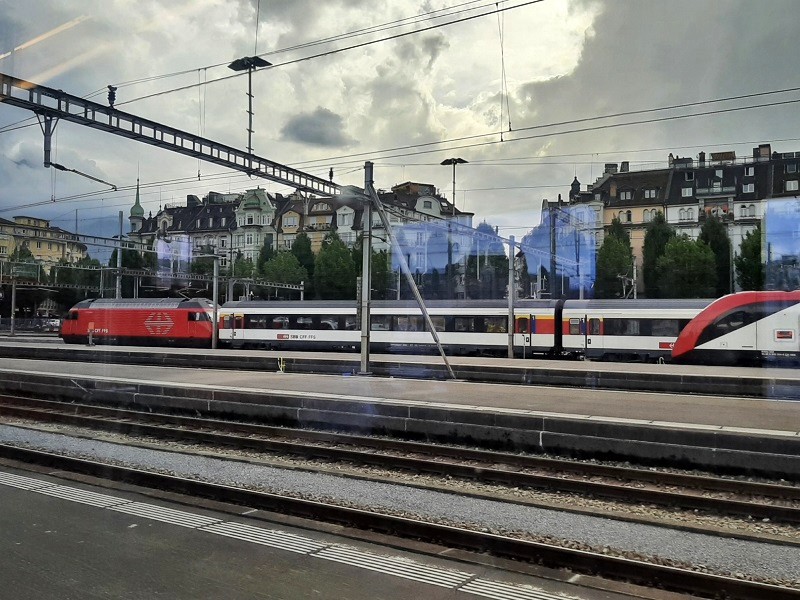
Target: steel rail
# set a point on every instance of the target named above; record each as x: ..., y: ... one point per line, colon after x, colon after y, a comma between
x: 196, y: 430
x: 625, y: 569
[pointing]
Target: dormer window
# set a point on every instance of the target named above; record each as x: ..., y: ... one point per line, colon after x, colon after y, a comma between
x: 249, y: 218
x: 626, y: 195
x: 427, y: 204
x: 651, y: 193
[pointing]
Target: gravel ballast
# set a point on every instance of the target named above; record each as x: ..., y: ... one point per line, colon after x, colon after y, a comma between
x: 739, y: 557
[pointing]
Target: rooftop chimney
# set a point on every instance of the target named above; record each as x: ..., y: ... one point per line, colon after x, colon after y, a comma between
x: 701, y: 158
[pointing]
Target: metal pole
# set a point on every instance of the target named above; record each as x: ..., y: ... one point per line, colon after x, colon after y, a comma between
x: 119, y: 260
x: 454, y: 187
x: 215, y: 301
x: 102, y: 283
x: 366, y: 256
x: 511, y: 293
x: 13, y: 302
x: 407, y: 272
x: 250, y: 110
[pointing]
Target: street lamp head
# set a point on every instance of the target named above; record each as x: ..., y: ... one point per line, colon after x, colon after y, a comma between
x: 248, y: 62
x: 454, y: 161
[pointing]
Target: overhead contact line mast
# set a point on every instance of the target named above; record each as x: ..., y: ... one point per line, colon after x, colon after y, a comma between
x: 51, y: 105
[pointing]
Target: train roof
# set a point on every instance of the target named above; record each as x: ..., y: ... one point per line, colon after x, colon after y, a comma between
x: 646, y: 303
x: 143, y: 303
x: 400, y: 304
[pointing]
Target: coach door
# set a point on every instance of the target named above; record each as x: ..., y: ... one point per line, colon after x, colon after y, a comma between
x: 594, y: 336
x: 523, y: 328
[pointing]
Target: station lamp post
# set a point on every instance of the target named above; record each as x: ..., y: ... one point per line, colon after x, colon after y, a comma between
x: 249, y: 64
x: 454, y: 162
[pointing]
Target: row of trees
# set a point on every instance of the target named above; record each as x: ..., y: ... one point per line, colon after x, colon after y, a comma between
x: 675, y: 266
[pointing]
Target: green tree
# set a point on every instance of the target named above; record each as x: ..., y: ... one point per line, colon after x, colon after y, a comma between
x: 334, y: 272
x: 243, y: 267
x: 687, y: 269
x: 382, y: 275
x: 301, y: 248
x: 285, y: 268
x: 85, y: 272
x: 22, y: 254
x: 264, y: 254
x: 748, y: 264
x: 131, y: 259
x: 614, y: 259
x: 715, y: 236
x: 658, y: 234
x: 618, y: 230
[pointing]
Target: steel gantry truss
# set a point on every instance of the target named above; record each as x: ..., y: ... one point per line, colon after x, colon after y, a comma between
x: 52, y: 105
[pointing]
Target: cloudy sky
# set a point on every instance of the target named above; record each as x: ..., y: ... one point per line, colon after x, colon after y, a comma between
x: 502, y: 91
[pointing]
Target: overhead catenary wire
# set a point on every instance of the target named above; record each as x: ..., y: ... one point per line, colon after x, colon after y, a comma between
x: 371, y: 29
x: 336, y: 51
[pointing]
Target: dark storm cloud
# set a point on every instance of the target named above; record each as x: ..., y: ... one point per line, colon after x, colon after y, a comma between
x: 319, y: 128
x: 648, y: 54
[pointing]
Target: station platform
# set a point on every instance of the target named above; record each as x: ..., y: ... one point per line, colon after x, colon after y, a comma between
x: 64, y: 539
x: 771, y: 382
x: 717, y: 432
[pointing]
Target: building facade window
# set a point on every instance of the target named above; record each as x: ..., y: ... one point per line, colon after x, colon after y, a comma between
x: 791, y: 168
x: 751, y: 210
x: 626, y: 195
x: 651, y: 193
x: 749, y: 171
x: 628, y: 216
x: 689, y: 176
x: 748, y: 188
x: 687, y: 192
x: 290, y: 221
x: 223, y: 242
x: 427, y: 204
x: 3, y: 249
x: 249, y: 219
x: 791, y: 185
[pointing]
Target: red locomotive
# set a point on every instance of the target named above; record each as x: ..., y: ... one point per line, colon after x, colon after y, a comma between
x: 140, y: 321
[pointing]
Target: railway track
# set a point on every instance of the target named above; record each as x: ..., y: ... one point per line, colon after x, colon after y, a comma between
x: 778, y: 503
x: 580, y: 561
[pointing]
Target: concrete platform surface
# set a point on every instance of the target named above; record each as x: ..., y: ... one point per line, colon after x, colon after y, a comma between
x: 65, y: 540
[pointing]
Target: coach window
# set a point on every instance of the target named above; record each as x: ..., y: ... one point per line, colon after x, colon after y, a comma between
x: 381, y: 323
x: 496, y: 324
x: 409, y: 323
x: 621, y: 327
x: 256, y: 321
x: 439, y: 323
x: 301, y: 323
x: 464, y: 324
x: 574, y: 326
x: 665, y: 327
x: 280, y: 322
x: 595, y: 327
x: 330, y: 322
